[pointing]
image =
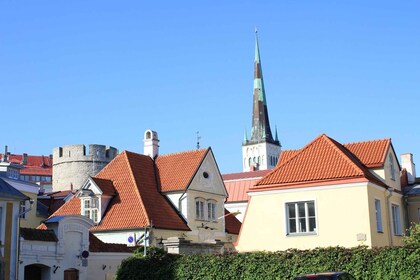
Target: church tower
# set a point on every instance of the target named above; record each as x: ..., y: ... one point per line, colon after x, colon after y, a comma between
x: 261, y: 151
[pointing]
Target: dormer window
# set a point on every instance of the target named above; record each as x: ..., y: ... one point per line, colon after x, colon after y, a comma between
x: 391, y: 167
x: 13, y: 173
x: 91, y: 208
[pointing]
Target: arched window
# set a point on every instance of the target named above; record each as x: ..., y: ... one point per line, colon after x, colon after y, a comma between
x: 148, y: 135
x: 249, y: 162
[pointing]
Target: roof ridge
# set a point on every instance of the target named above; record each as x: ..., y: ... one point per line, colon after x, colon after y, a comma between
x: 133, y: 178
x: 338, y: 147
x: 368, y: 141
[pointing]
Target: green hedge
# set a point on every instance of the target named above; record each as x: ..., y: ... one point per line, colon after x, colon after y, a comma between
x: 363, y: 263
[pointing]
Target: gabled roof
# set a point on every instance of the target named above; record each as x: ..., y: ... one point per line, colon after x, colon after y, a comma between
x: 7, y: 192
x: 137, y: 203
x: 322, y: 160
x: 176, y: 170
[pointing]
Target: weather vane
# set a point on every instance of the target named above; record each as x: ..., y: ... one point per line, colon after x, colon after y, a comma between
x: 198, y: 139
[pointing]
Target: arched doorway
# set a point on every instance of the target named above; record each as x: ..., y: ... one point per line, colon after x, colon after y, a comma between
x: 71, y: 274
x: 37, y: 272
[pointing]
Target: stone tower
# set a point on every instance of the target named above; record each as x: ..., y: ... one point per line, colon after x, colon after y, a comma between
x: 72, y: 165
x: 261, y: 151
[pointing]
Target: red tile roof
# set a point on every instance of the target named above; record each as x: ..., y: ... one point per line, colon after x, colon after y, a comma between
x: 47, y: 235
x: 244, y: 175
x: 106, y: 186
x: 97, y: 245
x: 371, y: 153
x: 176, y: 170
x: 232, y: 224
x: 35, y: 165
x: 137, y: 203
x: 322, y: 160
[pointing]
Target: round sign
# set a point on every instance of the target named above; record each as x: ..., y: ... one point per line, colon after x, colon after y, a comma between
x: 130, y: 239
x: 85, y: 254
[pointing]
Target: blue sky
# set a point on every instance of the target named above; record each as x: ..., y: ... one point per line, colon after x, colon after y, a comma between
x: 81, y: 72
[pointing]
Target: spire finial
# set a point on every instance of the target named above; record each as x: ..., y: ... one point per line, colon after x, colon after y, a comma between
x: 198, y: 139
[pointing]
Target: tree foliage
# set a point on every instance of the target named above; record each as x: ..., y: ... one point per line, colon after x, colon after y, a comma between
x: 363, y: 263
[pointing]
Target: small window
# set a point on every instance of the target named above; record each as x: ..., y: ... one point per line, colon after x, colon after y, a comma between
x: 199, y: 209
x: 91, y: 208
x: 205, y: 174
x: 378, y: 212
x: 23, y: 209
x: 148, y: 135
x: 391, y: 167
x: 211, y: 210
x: 396, y: 219
x: 301, y: 217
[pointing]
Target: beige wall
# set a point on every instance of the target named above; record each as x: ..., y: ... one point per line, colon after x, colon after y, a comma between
x: 345, y: 217
x: 413, y: 205
x: 31, y: 220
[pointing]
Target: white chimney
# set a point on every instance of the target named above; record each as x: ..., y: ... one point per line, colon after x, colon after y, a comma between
x: 408, y: 164
x: 151, y: 143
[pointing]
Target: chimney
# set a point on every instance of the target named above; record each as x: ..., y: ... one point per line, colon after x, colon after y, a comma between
x: 408, y: 164
x: 151, y: 143
x: 5, y: 155
x: 24, y: 159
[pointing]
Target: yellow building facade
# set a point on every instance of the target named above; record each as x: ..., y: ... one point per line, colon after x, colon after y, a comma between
x: 325, y: 195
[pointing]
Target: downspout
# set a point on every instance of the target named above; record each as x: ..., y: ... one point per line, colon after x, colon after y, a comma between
x: 391, y: 242
x: 31, y: 202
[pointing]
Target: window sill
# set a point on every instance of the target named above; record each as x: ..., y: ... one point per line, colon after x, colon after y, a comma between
x: 379, y: 232
x: 301, y: 234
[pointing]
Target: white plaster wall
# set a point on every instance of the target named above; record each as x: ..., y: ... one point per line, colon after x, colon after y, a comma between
x: 235, y: 207
x: 104, y: 265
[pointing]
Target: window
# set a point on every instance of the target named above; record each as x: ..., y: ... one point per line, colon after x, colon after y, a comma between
x: 378, y: 212
x: 90, y: 208
x: 301, y: 217
x: 23, y: 209
x: 199, y: 209
x: 396, y: 219
x: 211, y: 210
x: 391, y: 167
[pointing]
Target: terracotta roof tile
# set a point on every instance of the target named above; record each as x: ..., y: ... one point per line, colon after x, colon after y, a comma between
x: 137, y: 203
x: 97, y: 245
x: 232, y: 224
x: 323, y: 159
x: 176, y: 170
x: 47, y: 235
x: 35, y: 165
x: 371, y: 153
x: 106, y: 186
x: 245, y: 175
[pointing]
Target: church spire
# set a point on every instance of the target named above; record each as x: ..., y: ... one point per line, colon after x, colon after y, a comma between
x: 260, y: 151
x: 261, y: 130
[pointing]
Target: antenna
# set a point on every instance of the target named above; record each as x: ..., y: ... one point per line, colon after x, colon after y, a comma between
x: 198, y: 139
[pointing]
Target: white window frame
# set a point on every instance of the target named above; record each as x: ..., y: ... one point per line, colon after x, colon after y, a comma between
x: 378, y: 214
x: 211, y: 210
x: 199, y: 208
x: 296, y: 218
x: 396, y: 219
x: 22, y: 209
x: 89, y: 209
